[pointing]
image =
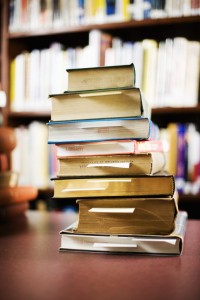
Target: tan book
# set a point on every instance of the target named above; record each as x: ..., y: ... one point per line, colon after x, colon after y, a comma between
x: 111, y: 165
x: 127, y: 215
x: 108, y: 77
x: 171, y: 244
x: 118, y: 103
x: 132, y: 186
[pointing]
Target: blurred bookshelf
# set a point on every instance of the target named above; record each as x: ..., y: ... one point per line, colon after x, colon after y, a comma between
x: 71, y: 35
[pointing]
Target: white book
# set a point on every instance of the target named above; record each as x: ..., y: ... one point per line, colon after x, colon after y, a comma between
x: 191, y: 91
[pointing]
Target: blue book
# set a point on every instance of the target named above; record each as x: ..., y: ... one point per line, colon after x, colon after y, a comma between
x: 95, y: 130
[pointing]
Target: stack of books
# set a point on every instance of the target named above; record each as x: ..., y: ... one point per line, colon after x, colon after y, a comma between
x: 14, y: 198
x: 112, y: 162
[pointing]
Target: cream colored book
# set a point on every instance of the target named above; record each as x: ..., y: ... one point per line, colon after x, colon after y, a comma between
x: 111, y: 165
x: 118, y: 103
x: 108, y: 77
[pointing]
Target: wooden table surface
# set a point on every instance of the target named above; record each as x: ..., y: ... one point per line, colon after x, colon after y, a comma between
x: 31, y: 266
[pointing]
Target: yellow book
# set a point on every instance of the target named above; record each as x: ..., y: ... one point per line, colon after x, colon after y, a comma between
x: 12, y: 81
x: 127, y: 215
x: 132, y: 186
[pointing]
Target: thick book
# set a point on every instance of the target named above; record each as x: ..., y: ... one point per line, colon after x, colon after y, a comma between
x: 171, y: 244
x: 127, y: 215
x: 17, y: 194
x: 95, y: 78
x: 129, y: 186
x: 119, y: 103
x: 8, y: 139
x: 111, y: 165
x: 111, y: 148
x: 94, y: 130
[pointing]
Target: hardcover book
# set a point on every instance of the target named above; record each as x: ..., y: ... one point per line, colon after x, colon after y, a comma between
x: 102, y: 129
x: 132, y: 186
x: 171, y: 244
x: 107, y: 77
x: 127, y: 215
x: 119, y: 103
x: 111, y: 148
x: 133, y: 164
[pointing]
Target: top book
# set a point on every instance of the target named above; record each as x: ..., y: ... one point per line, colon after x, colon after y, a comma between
x: 97, y: 78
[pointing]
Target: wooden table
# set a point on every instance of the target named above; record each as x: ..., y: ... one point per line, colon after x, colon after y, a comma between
x: 31, y: 266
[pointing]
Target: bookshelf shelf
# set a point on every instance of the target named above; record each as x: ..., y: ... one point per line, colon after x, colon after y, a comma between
x: 14, y: 43
x: 132, y: 24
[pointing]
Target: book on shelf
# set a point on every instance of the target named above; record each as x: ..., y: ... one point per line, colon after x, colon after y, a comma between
x: 111, y: 148
x: 17, y: 194
x: 9, y: 179
x: 101, y: 129
x: 127, y: 215
x: 130, y: 186
x: 7, y: 139
x: 111, y: 165
x: 118, y: 103
x: 171, y: 244
x: 105, y: 77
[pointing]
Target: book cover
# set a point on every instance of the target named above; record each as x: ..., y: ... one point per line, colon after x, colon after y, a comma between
x: 111, y: 165
x: 127, y: 215
x: 111, y: 148
x: 132, y: 186
x: 171, y: 244
x: 105, y: 77
x: 99, y: 104
x: 102, y: 129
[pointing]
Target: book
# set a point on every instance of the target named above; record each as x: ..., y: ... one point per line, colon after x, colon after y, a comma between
x: 111, y: 148
x: 8, y: 212
x: 17, y: 194
x: 111, y: 165
x: 118, y: 103
x: 127, y: 215
x: 105, y: 77
x: 7, y: 139
x: 8, y: 178
x: 102, y: 129
x: 129, y: 186
x: 171, y: 244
